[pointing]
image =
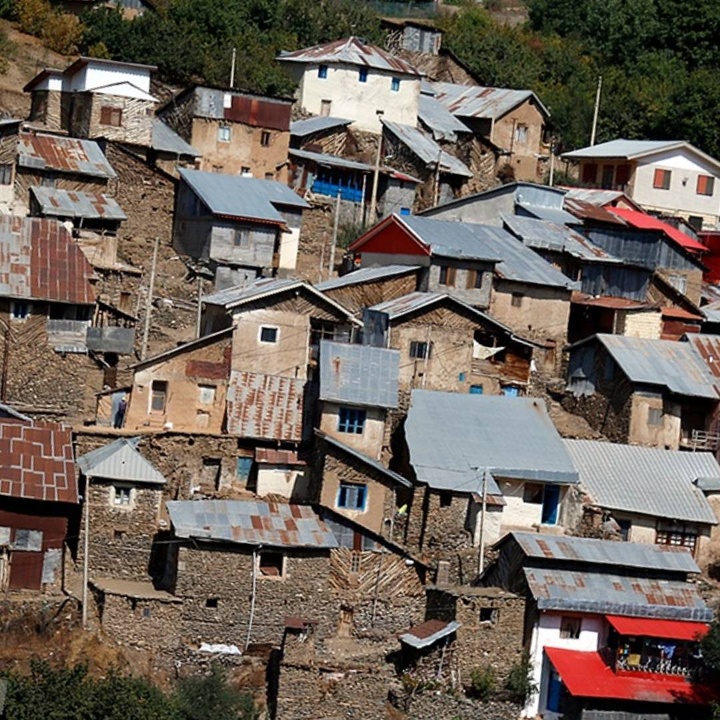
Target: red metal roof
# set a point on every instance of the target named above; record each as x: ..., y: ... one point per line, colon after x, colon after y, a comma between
x: 648, y: 627
x: 643, y: 221
x: 680, y: 314
x: 611, y: 303
x: 36, y: 462
x: 585, y: 674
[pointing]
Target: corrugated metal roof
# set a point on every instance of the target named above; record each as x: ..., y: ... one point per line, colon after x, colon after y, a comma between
x: 467, y: 433
x: 427, y: 149
x: 545, y: 235
x: 359, y: 374
x: 587, y: 211
x: 596, y: 196
x: 674, y: 365
x: 265, y: 406
x: 595, y: 592
x: 428, y: 633
x: 643, y: 221
x: 247, y: 522
x: 482, y: 102
x: 165, y: 139
x: 351, y: 51
x: 366, y: 275
x: 589, y: 551
x: 237, y: 196
x: 54, y: 202
x: 331, y: 160
x: 40, y: 261
x: 644, y: 480
x: 234, y: 106
x: 711, y: 311
x: 626, y: 149
x: 312, y: 125
x: 708, y: 348
x: 439, y: 120
x: 543, y: 212
x: 37, y: 151
x: 120, y: 460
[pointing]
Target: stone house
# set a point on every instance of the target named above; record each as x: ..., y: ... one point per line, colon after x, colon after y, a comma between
x: 663, y: 176
x: 413, y: 35
x: 648, y: 495
x: 350, y: 79
x: 95, y: 98
x: 39, y: 503
x: 235, y: 133
x: 658, y: 393
x: 608, y: 627
x: 241, y: 227
x: 322, y: 134
x: 358, y: 389
x: 122, y: 501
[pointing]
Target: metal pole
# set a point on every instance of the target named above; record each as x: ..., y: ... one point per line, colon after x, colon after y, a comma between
x: 376, y: 174
x: 336, y: 222
x: 596, y: 112
x: 252, y: 598
x: 198, y: 319
x: 86, y: 550
x: 437, y: 178
x: 552, y: 164
x: 481, y: 550
x: 232, y: 69
x: 148, y: 308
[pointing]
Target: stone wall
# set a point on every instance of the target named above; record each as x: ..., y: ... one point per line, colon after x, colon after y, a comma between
x: 135, y: 124
x: 357, y: 297
x: 607, y: 412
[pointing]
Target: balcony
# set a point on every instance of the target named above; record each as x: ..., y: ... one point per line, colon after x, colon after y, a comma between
x: 117, y: 340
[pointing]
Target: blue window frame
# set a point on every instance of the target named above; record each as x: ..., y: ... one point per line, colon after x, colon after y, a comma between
x: 362, y: 75
x: 243, y: 467
x: 322, y: 71
x: 395, y: 85
x: 351, y: 496
x: 351, y: 420
x: 476, y: 389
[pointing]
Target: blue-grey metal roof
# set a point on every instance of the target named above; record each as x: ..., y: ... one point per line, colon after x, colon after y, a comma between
x: 596, y: 196
x: 359, y: 374
x: 595, y: 592
x: 595, y: 553
x: 247, y: 522
x: 366, y: 275
x: 626, y: 149
x: 546, y: 235
x: 120, y: 460
x: 439, y: 120
x: 464, y: 434
x: 674, y: 365
x: 165, y: 139
x: 643, y: 480
x: 542, y: 212
x: 237, y: 196
x: 711, y: 311
x: 482, y: 102
x: 55, y: 202
x: 331, y: 160
x: 312, y: 125
x: 428, y: 633
x: 427, y: 149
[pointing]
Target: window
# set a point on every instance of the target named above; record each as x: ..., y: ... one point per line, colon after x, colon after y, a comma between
x: 676, y: 535
x: 265, y: 138
x: 655, y: 417
x: 608, y: 176
x: 625, y: 528
x: 488, y: 615
x: 705, y: 185
x: 474, y: 280
x: 622, y: 176
x: 661, y: 179
x: 224, y: 133
x: 420, y: 350
x: 28, y: 540
x: 49, y: 180
x: 269, y: 176
x: 363, y: 74
x: 119, y: 535
x: 242, y: 237
x: 445, y: 499
x: 570, y: 628
x: 111, y: 116
x: 206, y: 394
x: 268, y: 334
x: 245, y: 170
x: 516, y: 300
x: 533, y: 493
x: 695, y: 222
x: 121, y: 496
x: 19, y: 310
x: 158, y: 396
x: 5, y: 174
x: 211, y: 603
x: 352, y: 496
x: 271, y: 564
x: 447, y: 276
x: 476, y: 389
x: 351, y: 420
x: 325, y: 106
x: 521, y: 134
x: 395, y: 84
x: 679, y: 282
x: 355, y: 559
x: 322, y: 71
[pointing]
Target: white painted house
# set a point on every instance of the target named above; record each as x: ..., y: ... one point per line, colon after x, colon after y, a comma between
x: 351, y: 79
x: 665, y: 176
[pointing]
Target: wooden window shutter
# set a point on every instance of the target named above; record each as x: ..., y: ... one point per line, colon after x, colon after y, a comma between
x: 622, y: 175
x: 589, y: 172
x: 105, y: 115
x: 661, y: 179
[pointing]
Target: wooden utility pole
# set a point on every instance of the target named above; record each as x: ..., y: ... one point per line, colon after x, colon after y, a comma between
x: 336, y: 222
x: 198, y: 319
x: 148, y: 307
x: 376, y: 174
x: 596, y: 112
x: 481, y: 549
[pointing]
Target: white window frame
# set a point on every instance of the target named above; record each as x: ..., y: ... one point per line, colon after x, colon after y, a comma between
x: 122, y: 491
x: 222, y: 131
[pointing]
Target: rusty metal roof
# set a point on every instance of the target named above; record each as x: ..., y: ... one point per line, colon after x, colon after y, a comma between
x: 584, y: 210
x: 54, y: 202
x: 40, y: 261
x: 248, y: 522
x: 265, y: 406
x: 38, y: 151
x: 351, y: 51
x: 36, y: 461
x: 482, y: 102
x: 234, y: 106
x: 271, y: 456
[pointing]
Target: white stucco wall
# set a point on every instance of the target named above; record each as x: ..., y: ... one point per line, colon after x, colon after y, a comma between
x: 95, y: 76
x: 289, y: 245
x: 290, y: 482
x: 520, y: 515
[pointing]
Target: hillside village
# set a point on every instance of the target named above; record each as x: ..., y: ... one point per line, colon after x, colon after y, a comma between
x: 342, y: 392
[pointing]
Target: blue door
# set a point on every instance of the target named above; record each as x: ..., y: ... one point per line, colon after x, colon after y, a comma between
x: 554, y: 692
x: 510, y: 391
x: 551, y: 503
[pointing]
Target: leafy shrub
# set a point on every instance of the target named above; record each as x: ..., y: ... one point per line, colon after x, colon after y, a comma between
x: 482, y: 682
x: 519, y: 684
x: 32, y: 15
x: 62, y: 33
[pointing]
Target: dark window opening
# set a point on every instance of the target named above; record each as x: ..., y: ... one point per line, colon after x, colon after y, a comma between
x: 270, y: 564
x: 488, y: 615
x: 158, y: 396
x: 111, y: 116
x: 268, y: 334
x: 211, y: 603
x: 420, y: 350
x: 445, y: 499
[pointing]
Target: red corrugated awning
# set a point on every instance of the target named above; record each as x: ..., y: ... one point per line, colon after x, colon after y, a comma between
x: 668, y: 629
x: 584, y: 674
x: 643, y: 221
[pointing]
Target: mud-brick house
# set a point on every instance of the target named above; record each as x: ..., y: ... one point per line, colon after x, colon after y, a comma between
x: 348, y: 78
x: 648, y: 495
x: 122, y: 499
x: 612, y: 629
x: 641, y: 391
x: 234, y: 132
x: 447, y: 345
x: 242, y: 227
x: 358, y: 389
x: 38, y: 503
x: 481, y: 466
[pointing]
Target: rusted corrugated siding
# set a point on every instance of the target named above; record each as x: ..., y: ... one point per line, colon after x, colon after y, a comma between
x: 259, y: 113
